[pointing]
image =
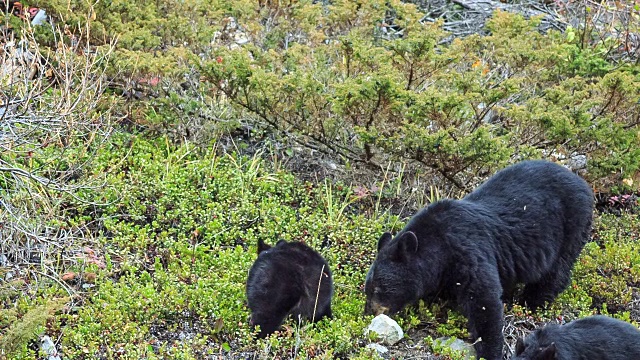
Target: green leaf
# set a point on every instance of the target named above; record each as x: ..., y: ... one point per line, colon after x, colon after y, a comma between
x: 571, y: 35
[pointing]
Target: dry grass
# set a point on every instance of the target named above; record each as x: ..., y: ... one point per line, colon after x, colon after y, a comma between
x: 53, y: 118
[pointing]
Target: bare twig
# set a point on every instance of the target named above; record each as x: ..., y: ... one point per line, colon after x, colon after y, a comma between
x: 45, y: 113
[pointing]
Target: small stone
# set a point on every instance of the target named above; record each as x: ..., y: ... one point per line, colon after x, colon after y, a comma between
x: 458, y: 345
x: 49, y: 348
x: 40, y: 18
x: 379, y: 348
x: 386, y: 328
x: 240, y: 38
x: 231, y: 23
x: 576, y: 162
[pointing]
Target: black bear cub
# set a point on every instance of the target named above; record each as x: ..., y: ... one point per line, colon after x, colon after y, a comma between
x: 592, y: 338
x: 284, y: 280
x: 526, y: 224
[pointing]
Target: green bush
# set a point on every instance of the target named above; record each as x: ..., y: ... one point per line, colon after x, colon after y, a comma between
x: 339, y: 77
x: 463, y: 108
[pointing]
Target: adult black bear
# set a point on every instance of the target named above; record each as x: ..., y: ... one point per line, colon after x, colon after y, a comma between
x: 284, y: 280
x: 527, y: 224
x: 592, y: 338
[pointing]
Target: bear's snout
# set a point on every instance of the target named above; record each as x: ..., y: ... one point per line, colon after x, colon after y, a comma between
x: 375, y: 308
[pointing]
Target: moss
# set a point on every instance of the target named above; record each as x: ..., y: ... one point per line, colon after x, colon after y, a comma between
x: 26, y: 328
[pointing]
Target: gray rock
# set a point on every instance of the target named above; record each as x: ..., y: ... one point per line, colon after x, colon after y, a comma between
x: 387, y: 329
x: 458, y: 345
x: 40, y: 18
x: 379, y: 348
x: 240, y: 38
x: 232, y: 24
x: 576, y: 162
x: 49, y: 348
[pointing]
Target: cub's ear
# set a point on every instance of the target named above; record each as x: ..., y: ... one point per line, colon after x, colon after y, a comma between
x: 519, y: 346
x: 384, y: 240
x: 281, y: 242
x: 262, y: 246
x: 549, y: 353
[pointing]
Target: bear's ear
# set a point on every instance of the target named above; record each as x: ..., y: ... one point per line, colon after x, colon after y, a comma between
x: 519, y: 346
x: 405, y: 245
x: 262, y: 246
x: 281, y: 242
x: 549, y: 353
x: 408, y: 242
x: 384, y: 240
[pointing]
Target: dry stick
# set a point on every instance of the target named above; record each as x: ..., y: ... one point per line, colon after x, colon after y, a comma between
x: 313, y: 318
x: 69, y: 290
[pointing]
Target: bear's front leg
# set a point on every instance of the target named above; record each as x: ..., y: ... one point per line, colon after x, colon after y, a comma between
x: 484, y: 313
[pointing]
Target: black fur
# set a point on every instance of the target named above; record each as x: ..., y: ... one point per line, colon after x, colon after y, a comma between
x: 527, y: 224
x: 592, y: 338
x: 284, y: 280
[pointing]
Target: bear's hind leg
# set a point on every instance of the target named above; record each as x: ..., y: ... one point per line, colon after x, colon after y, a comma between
x: 546, y: 290
x: 559, y: 276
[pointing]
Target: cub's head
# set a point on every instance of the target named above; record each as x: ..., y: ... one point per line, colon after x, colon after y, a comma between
x: 394, y: 279
x: 534, y: 349
x: 262, y: 246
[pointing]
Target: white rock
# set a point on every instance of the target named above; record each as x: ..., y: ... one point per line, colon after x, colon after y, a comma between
x: 576, y: 162
x: 49, y: 348
x: 240, y: 38
x: 231, y: 23
x: 459, y: 345
x: 379, y: 348
x: 40, y: 18
x: 386, y: 328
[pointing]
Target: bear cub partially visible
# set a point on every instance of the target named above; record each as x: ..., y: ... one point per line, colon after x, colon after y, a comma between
x: 525, y: 225
x: 593, y: 338
x: 284, y: 280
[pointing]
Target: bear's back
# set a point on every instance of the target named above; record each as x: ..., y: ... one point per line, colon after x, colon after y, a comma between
x: 594, y: 337
x: 534, y: 180
x: 291, y: 257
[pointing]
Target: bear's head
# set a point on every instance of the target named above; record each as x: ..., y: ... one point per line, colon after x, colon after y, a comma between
x: 534, y: 349
x: 394, y: 279
x: 262, y: 246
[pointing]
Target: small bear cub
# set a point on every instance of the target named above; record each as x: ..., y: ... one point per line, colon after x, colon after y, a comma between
x: 595, y: 338
x: 289, y: 278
